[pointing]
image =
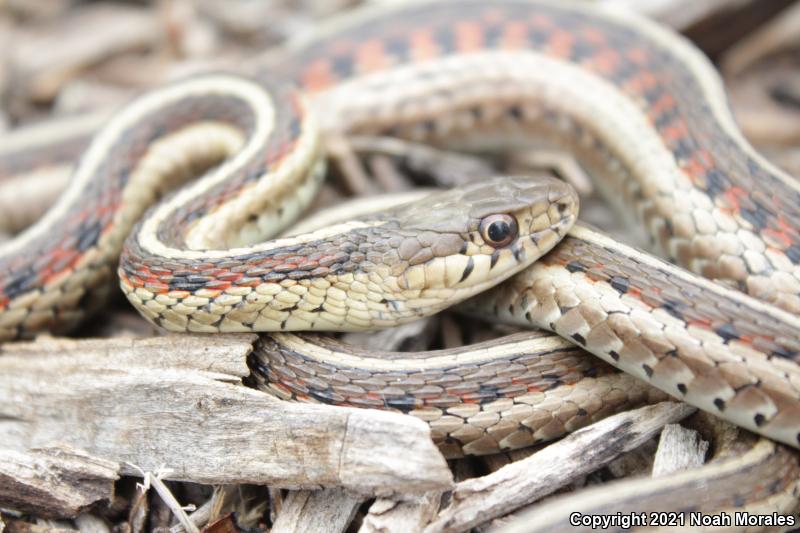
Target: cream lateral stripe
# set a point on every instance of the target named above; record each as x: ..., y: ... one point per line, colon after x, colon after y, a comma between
x: 148, y: 241
x: 579, y: 231
x: 129, y: 116
x: 321, y: 354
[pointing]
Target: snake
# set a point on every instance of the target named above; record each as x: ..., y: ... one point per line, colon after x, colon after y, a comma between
x: 639, y: 107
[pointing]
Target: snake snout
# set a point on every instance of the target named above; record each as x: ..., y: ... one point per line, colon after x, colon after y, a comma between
x: 563, y: 211
x: 549, y: 219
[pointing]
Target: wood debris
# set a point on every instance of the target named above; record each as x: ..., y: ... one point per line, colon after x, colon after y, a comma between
x: 476, y: 500
x: 47, y: 56
x: 54, y: 482
x: 108, y: 397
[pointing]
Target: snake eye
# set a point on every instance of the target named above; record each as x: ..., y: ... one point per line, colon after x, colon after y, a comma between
x: 498, y: 230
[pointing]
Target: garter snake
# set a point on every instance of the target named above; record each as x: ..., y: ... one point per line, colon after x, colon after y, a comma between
x: 640, y: 108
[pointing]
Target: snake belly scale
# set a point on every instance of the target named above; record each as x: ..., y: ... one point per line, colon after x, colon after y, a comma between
x: 640, y: 108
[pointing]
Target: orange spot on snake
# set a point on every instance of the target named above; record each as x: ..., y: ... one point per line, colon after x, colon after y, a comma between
x: 640, y: 83
x: 705, y: 158
x: 675, y: 131
x: 593, y: 35
x: 695, y: 171
x: 561, y: 42
x: 786, y: 227
x: 778, y: 237
x: 699, y: 322
x: 423, y: 45
x: 515, y: 35
x: 318, y: 76
x: 218, y: 285
x: 231, y: 276
x: 663, y: 104
x: 731, y: 198
x: 637, y: 55
x: 606, y: 61
x: 66, y: 258
x: 371, y: 56
x: 469, y: 36
x: 157, y: 287
x: 541, y: 21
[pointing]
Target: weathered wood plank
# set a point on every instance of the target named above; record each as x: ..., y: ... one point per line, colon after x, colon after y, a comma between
x: 178, y: 403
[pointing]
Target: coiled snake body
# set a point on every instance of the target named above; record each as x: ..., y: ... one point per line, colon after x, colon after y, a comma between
x: 640, y: 108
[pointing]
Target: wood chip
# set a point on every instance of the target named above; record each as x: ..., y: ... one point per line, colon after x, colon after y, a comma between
x: 779, y: 34
x: 144, y: 403
x: 88, y: 523
x: 54, y: 482
x: 25, y: 199
x: 679, y: 449
x: 734, y: 482
x: 41, y: 526
x: 390, y: 516
x: 49, y: 55
x: 329, y: 510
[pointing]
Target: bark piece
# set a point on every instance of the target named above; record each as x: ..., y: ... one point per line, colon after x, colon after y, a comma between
x: 329, y: 510
x: 54, y: 483
x: 51, y: 54
x: 757, y: 475
x: 390, y: 516
x: 679, y: 449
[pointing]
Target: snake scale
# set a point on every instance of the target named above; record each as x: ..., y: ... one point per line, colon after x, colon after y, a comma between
x: 639, y: 107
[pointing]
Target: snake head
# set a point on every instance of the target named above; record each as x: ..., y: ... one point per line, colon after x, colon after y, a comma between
x: 376, y: 271
x: 459, y: 242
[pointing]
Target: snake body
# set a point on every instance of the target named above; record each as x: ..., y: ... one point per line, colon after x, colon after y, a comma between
x: 641, y: 109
